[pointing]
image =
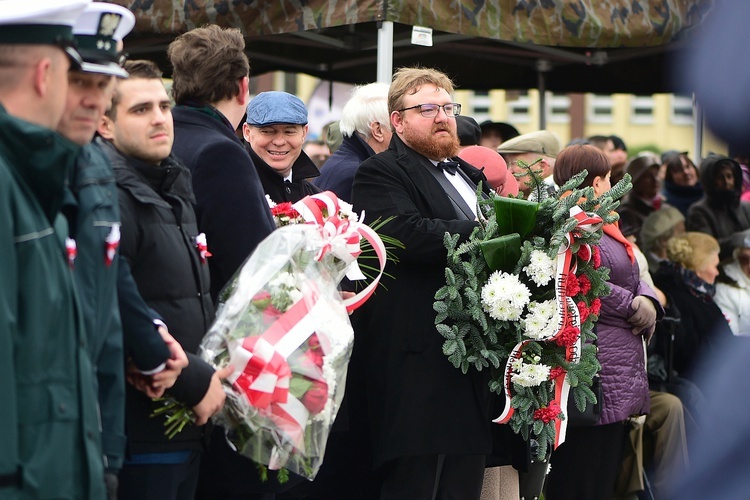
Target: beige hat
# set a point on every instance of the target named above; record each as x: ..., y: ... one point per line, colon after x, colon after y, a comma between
x: 542, y: 142
x: 658, y: 224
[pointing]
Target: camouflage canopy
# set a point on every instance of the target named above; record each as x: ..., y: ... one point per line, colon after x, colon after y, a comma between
x: 581, y: 45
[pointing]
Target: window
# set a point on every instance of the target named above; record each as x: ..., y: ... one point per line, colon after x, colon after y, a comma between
x: 480, y: 105
x: 642, y: 110
x: 519, y: 108
x: 681, y: 110
x: 558, y: 108
x: 599, y: 108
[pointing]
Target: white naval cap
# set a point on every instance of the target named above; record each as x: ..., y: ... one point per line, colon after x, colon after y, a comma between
x: 44, y: 22
x: 97, y: 32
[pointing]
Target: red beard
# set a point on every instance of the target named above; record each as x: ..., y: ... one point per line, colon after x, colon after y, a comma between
x: 436, y: 148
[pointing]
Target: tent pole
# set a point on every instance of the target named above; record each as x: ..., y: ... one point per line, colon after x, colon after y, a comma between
x: 697, y: 131
x: 542, y: 66
x: 385, y: 52
x: 542, y: 101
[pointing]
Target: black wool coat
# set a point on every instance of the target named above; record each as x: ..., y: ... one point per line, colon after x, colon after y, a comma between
x: 418, y: 403
x: 229, y: 201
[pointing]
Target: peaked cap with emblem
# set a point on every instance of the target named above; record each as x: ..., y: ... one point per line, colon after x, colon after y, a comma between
x: 97, y: 32
x: 41, y: 22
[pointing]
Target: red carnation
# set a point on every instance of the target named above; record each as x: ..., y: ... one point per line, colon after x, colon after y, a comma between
x: 285, y: 208
x: 572, y: 288
x: 597, y: 258
x: 568, y: 336
x: 584, y: 253
x: 585, y: 283
x: 595, y: 307
x: 583, y: 310
x: 548, y: 413
x: 556, y: 372
x: 316, y: 396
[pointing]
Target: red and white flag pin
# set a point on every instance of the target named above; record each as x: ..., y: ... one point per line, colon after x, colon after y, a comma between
x: 70, y: 251
x: 111, y: 242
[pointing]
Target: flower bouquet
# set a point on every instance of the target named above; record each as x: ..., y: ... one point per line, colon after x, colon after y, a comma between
x: 283, y: 326
x: 521, y: 299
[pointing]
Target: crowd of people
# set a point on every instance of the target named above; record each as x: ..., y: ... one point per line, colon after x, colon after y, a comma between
x: 125, y: 213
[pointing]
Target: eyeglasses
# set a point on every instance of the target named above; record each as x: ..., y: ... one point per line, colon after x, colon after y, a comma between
x: 451, y: 109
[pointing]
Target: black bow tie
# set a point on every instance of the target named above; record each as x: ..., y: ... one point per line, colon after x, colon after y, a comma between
x: 448, y: 166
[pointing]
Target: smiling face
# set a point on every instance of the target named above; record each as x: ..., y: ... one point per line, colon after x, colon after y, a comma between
x: 142, y: 126
x: 685, y: 174
x: 277, y: 145
x: 89, y: 95
x: 436, y: 137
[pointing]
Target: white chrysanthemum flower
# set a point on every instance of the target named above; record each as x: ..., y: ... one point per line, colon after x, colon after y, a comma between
x: 541, y: 268
x: 285, y: 279
x: 531, y: 375
x: 270, y: 202
x: 504, y: 296
x: 346, y: 211
x: 516, y: 364
x: 295, y: 295
x: 539, y: 323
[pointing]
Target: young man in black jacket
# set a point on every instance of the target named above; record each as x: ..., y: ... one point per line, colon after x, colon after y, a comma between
x: 167, y: 256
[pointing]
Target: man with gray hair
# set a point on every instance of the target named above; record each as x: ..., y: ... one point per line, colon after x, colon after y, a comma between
x: 542, y: 145
x: 366, y: 128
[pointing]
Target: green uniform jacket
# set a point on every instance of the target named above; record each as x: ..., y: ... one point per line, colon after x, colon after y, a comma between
x: 49, y: 432
x: 94, y: 216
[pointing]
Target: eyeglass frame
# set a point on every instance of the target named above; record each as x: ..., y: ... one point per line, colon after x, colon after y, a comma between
x: 454, y: 113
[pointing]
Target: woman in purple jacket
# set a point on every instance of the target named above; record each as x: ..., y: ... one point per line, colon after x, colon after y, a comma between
x: 586, y: 465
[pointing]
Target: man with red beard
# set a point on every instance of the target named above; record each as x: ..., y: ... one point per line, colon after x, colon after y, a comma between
x: 429, y: 423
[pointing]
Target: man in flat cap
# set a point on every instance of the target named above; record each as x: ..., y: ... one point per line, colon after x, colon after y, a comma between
x: 275, y: 130
x: 230, y: 204
x: 101, y: 274
x: 49, y: 429
x: 541, y: 147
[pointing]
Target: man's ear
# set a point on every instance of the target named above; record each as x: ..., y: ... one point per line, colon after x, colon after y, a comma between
x: 42, y: 76
x: 106, y: 128
x: 246, y: 132
x: 305, y: 128
x: 376, y: 131
x: 243, y: 97
x: 397, y: 121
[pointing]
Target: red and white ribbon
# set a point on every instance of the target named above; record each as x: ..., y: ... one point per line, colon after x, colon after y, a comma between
x: 202, y: 245
x: 343, y: 239
x: 262, y: 373
x: 111, y: 242
x: 567, y: 315
x: 71, y: 250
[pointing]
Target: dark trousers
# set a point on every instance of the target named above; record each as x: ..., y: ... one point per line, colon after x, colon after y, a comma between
x: 433, y: 477
x: 586, y: 465
x: 160, y: 481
